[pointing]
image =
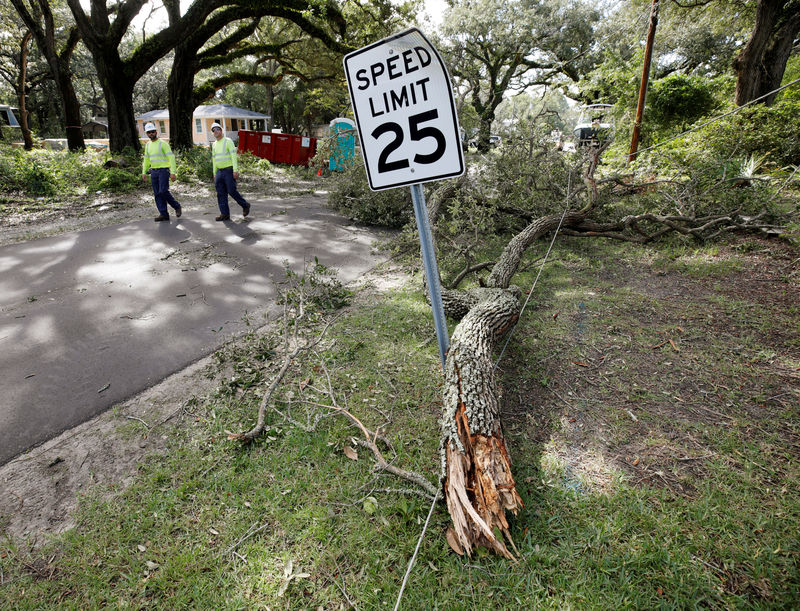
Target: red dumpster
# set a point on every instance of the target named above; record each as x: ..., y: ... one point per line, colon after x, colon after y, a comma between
x: 303, y: 149
x: 266, y: 145
x: 283, y: 148
x: 248, y: 142
x: 278, y: 148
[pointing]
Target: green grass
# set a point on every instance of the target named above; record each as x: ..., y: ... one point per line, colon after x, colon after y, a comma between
x: 652, y: 478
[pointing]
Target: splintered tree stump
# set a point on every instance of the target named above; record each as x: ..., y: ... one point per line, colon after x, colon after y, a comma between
x: 478, y: 484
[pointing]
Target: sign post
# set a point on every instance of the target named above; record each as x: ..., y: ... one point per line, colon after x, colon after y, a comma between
x: 408, y: 128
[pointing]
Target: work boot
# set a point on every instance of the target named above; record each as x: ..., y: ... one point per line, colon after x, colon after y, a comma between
x: 223, y: 217
x: 161, y: 217
x: 178, y: 211
x: 246, y: 211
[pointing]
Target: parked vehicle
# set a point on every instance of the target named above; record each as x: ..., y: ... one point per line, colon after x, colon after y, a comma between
x: 494, y: 141
x: 7, y: 116
x: 594, y: 125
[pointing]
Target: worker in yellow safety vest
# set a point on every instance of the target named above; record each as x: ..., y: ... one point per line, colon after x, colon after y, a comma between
x: 160, y: 162
x: 226, y: 172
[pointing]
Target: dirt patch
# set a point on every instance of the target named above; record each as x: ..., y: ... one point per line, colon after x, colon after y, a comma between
x: 44, y: 486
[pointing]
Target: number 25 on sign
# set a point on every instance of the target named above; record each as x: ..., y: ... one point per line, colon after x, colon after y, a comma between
x: 404, y: 110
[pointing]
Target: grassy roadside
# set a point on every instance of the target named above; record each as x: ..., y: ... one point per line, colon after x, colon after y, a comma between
x: 651, y: 409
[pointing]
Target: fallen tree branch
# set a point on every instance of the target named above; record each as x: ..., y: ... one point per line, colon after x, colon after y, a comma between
x: 288, y: 358
x: 368, y: 441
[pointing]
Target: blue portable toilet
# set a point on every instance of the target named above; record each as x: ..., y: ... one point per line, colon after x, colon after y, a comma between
x: 343, y: 134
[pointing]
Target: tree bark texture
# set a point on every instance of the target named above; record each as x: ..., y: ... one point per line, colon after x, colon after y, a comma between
x: 180, y: 88
x: 24, y: 49
x: 479, y: 487
x: 762, y: 62
x: 117, y: 84
x: 476, y: 468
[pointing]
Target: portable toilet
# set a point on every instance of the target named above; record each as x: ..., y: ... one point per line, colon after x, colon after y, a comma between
x: 343, y: 136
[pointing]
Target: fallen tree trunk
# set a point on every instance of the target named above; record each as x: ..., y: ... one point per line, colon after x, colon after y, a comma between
x: 479, y: 487
x: 476, y: 467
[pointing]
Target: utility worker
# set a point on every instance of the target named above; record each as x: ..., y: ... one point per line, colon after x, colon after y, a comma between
x: 226, y: 171
x: 158, y: 158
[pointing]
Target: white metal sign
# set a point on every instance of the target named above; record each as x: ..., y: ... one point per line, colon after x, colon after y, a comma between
x: 405, y: 113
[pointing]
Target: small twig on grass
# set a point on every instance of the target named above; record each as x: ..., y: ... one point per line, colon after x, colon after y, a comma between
x: 250, y: 533
x: 147, y: 426
x: 238, y: 555
x: 341, y: 587
x: 211, y: 468
x: 688, y: 458
x: 382, y: 463
x: 306, y: 428
x: 172, y: 414
x: 406, y: 491
x: 387, y: 380
x: 369, y: 442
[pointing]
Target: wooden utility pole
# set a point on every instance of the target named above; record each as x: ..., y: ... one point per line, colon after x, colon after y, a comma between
x: 648, y: 55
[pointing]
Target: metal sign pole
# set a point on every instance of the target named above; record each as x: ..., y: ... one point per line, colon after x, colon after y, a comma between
x: 431, y: 269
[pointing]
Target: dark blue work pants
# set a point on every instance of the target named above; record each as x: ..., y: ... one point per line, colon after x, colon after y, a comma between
x: 159, y: 178
x: 226, y: 185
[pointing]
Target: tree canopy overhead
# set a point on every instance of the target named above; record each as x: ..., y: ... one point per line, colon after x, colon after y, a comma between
x: 495, y: 46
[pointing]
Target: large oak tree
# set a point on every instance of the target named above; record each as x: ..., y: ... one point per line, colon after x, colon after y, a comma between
x: 762, y: 62
x: 57, y: 49
x: 495, y: 46
x: 202, y: 50
x: 102, y: 31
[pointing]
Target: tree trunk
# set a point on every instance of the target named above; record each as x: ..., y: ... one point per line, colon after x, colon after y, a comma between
x: 762, y: 62
x: 72, y: 110
x: 478, y: 484
x: 181, y: 97
x: 476, y: 468
x: 117, y: 87
x: 270, y: 104
x: 122, y: 131
x: 42, y: 24
x: 24, y: 124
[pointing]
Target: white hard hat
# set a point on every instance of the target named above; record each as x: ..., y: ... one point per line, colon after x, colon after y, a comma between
x: 149, y: 127
x: 213, y: 125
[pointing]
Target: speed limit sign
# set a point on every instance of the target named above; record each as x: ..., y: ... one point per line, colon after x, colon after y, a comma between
x: 405, y: 113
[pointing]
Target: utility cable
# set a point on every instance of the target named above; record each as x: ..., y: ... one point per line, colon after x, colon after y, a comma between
x: 541, y: 268
x: 734, y: 111
x: 414, y: 556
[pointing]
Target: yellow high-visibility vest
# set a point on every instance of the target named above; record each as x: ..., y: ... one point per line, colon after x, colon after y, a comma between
x: 223, y: 155
x: 157, y: 155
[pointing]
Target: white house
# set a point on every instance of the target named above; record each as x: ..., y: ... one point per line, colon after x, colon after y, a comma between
x: 230, y: 117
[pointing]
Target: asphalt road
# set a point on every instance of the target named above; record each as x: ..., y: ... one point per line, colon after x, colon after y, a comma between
x: 91, y: 318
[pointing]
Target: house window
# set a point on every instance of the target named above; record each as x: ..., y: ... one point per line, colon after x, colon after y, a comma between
x: 162, y: 128
x: 198, y: 126
x: 257, y: 125
x: 234, y: 127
